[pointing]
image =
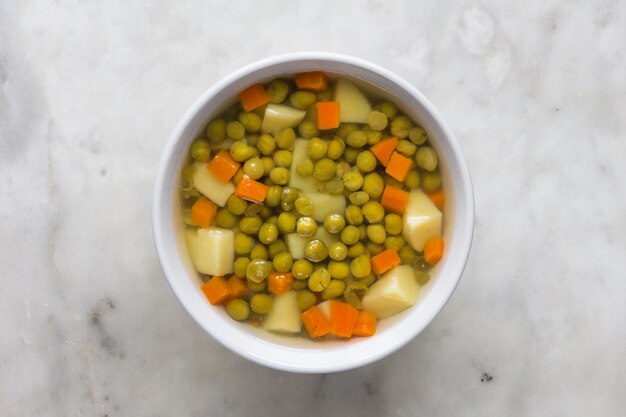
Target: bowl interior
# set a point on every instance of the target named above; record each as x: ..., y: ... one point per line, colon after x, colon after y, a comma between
x: 295, y: 353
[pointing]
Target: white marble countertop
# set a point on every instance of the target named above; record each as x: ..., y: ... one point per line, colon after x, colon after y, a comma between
x: 536, y: 93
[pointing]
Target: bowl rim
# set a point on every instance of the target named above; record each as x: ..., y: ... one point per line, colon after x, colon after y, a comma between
x: 248, y: 349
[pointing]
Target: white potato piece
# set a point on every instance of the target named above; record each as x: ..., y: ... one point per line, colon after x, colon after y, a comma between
x: 285, y: 315
x: 324, y: 308
x: 215, y: 251
x: 296, y: 243
x: 191, y: 239
x: 421, y: 220
x: 393, y: 292
x: 353, y: 105
x: 214, y: 189
x: 326, y: 204
x: 300, y: 154
x: 278, y: 117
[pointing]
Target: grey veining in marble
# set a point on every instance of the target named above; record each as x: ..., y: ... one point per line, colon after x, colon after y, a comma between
x: 536, y: 93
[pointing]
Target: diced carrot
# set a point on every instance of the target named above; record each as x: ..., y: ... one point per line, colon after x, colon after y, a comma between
x: 222, y: 166
x: 433, y: 251
x: 216, y: 290
x: 438, y: 198
x: 237, y: 287
x: 399, y: 166
x: 203, y: 212
x: 383, y: 149
x: 314, y: 81
x: 251, y: 190
x: 314, y: 322
x: 342, y: 318
x: 279, y: 283
x: 365, y: 324
x: 253, y: 97
x: 327, y: 115
x: 394, y: 199
x: 384, y: 261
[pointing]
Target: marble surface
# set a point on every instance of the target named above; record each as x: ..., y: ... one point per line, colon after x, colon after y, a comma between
x: 535, y: 91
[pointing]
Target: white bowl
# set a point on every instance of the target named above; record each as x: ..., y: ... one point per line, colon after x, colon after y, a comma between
x: 293, y: 353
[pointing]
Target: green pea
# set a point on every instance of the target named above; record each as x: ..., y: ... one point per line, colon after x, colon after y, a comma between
x: 373, y: 212
x: 335, y: 148
x: 286, y: 139
x: 352, y: 180
x: 216, y: 130
x: 268, y: 233
x: 238, y: 176
x: 225, y: 219
x: 338, y: 270
x: 356, y: 250
x: 301, y: 269
x: 261, y: 303
x: 406, y: 148
x: 389, y: 180
x: 376, y: 233
x: 421, y: 264
x: 431, y: 181
x: 350, y: 155
x: 250, y: 121
x: 393, y: 224
x: 289, y: 195
x: 279, y: 175
x: 317, y: 148
x: 253, y: 210
x: 256, y: 286
x: 252, y: 139
x: 306, y: 227
x: 266, y: 144
x: 238, y: 309
x: 235, y: 130
x: 359, y: 198
x: 395, y: 242
x: 356, y: 139
x: 277, y: 247
x: 282, y: 262
x: 418, y: 135
x: 337, y: 251
x: 350, y: 235
x: 298, y: 285
x: 334, y: 289
x: 315, y: 250
x: 271, y: 219
x: 354, y: 215
x: 302, y: 99
x: 259, y: 251
x: 268, y: 164
x: 236, y: 205
x: 367, y: 280
x: 240, y: 151
x: 389, y: 109
x: 200, y: 150
x: 360, y: 267
x: 319, y: 280
x: 345, y: 129
x: 373, y: 184
x: 282, y: 158
x: 240, y: 265
x: 422, y: 277
x: 243, y: 244
x: 354, y: 293
x: 373, y: 136
x: 305, y: 168
x: 250, y: 225
x: 308, y: 129
x: 187, y: 177
x: 305, y: 299
x: 426, y: 158
x: 334, y: 186
x: 304, y: 206
x: 253, y: 168
x: 412, y: 180
x: 286, y: 222
x: 400, y: 126
x: 277, y: 90
x: 266, y: 213
x: 326, y: 95
x: 366, y: 161
x: 258, y: 270
x: 342, y: 169
x: 272, y: 199
x: 377, y: 120
x: 324, y: 169
x: 334, y: 223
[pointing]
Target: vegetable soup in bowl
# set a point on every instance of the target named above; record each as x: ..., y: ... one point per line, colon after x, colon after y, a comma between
x: 313, y: 212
